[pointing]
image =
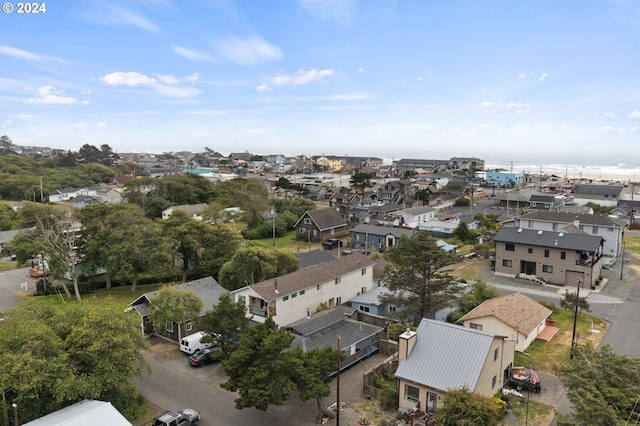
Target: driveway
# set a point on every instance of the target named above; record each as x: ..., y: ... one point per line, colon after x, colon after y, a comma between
x: 10, y: 282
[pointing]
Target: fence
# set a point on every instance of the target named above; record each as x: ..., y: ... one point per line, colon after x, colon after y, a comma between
x: 388, y: 366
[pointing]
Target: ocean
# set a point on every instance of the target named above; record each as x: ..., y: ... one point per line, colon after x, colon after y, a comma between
x: 625, y: 172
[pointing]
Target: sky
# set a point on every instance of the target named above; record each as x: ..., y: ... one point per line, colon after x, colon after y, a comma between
x: 526, y: 80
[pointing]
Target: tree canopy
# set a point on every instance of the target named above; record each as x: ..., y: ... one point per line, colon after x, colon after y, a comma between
x: 255, y: 263
x: 602, y: 385
x: 174, y: 304
x: 54, y: 355
x: 264, y: 370
x: 465, y: 408
x: 227, y: 320
x: 416, y: 280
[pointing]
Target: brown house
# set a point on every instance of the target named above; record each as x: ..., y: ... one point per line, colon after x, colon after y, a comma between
x: 557, y: 257
x: 322, y: 224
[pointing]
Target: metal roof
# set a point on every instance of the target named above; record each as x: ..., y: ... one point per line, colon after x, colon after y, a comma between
x: 569, y: 217
x: 83, y: 413
x: 446, y: 356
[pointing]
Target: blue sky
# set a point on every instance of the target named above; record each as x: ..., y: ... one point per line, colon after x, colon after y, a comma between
x: 548, y: 81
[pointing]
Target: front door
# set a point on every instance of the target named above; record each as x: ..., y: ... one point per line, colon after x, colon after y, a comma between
x: 432, y: 399
x: 527, y: 268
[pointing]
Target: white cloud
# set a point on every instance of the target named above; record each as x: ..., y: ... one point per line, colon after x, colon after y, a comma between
x: 101, y: 124
x: 127, y: 17
x: 177, y: 92
x: 634, y: 115
x: 194, y: 55
x: 488, y: 108
x: 522, y: 76
x: 80, y: 125
x: 168, y: 79
x: 610, y: 116
x: 262, y: 131
x: 298, y: 79
x: 133, y: 79
x: 19, y: 53
x: 48, y: 95
x: 612, y: 129
x: 250, y: 51
x: 544, y: 76
x: 360, y: 69
x: 520, y: 107
x: 193, y: 77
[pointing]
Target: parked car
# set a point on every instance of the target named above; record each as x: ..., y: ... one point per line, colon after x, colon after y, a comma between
x: 185, y: 417
x: 332, y: 243
x: 205, y: 356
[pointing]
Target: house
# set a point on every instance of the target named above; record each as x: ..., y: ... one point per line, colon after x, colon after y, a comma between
x: 465, y: 163
x: 604, y: 195
x: 393, y: 191
x: 541, y: 201
x: 343, y: 201
x: 194, y: 211
x: 294, y: 296
x: 415, y: 216
x: 313, y: 257
x: 370, y: 303
x: 610, y: 229
x: 85, y: 200
x: 472, y: 222
x: 207, y: 289
x: 322, y: 224
x: 439, y: 356
x: 442, y: 201
x: 380, y: 238
x: 516, y: 316
x: 358, y: 340
x: 438, y: 228
x: 60, y: 195
x: 404, y: 167
x: 499, y: 178
x: 87, y: 412
x: 556, y: 257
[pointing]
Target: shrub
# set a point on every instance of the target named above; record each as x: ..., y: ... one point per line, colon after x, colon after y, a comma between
x: 502, y: 405
x: 388, y: 398
x: 549, y: 305
x: 379, y: 383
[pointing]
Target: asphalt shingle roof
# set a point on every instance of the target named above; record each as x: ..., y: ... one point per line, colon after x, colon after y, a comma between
x: 446, y: 356
x: 594, y: 189
x: 308, y: 277
x: 515, y: 310
x: 326, y: 219
x: 568, y: 217
x: 562, y: 240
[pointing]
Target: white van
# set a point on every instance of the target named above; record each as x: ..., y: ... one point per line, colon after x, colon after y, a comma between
x: 191, y: 343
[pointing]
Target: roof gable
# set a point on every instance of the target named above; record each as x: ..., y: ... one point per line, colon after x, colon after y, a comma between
x: 324, y: 219
x: 446, y: 356
x: 509, y: 309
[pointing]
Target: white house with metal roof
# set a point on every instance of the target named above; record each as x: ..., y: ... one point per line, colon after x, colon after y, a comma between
x: 440, y: 356
x: 83, y: 413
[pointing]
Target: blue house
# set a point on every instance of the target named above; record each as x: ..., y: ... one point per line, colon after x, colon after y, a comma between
x: 374, y: 237
x: 504, y: 179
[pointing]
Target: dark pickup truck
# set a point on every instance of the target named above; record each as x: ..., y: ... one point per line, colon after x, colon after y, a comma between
x: 186, y: 417
x: 332, y: 243
x: 521, y: 380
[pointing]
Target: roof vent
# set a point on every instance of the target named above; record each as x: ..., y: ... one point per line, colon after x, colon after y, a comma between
x: 556, y: 243
x: 539, y: 232
x: 519, y: 229
x: 561, y: 234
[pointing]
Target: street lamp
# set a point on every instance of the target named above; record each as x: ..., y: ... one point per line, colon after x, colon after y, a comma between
x: 575, y: 315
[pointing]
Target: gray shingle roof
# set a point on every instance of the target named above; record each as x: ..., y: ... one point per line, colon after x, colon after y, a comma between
x: 382, y: 230
x: 309, y: 277
x: 446, y: 356
x: 594, y: 189
x: 314, y: 257
x: 325, y: 218
x: 562, y: 240
x: 567, y: 217
x: 320, y: 320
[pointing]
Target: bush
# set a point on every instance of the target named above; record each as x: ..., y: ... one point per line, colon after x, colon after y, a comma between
x: 502, y: 405
x: 549, y: 305
x: 379, y: 383
x: 389, y: 398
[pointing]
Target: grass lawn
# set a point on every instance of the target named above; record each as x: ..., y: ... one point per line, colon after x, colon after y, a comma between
x: 6, y: 266
x: 117, y: 296
x: 290, y: 243
x: 632, y: 244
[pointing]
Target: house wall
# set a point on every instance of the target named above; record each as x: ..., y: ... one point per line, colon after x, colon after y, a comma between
x: 296, y: 308
x: 493, y: 325
x: 561, y: 269
x: 424, y: 394
x: 582, y: 199
x: 499, y: 358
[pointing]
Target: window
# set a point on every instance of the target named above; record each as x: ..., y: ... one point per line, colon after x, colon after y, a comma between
x: 307, y: 221
x: 188, y: 326
x: 364, y: 271
x: 529, y: 250
x: 411, y: 393
x: 595, y: 230
x: 510, y: 247
x: 554, y: 226
x: 169, y: 326
x: 392, y: 308
x: 496, y: 354
x: 563, y: 255
x: 547, y: 268
x: 363, y: 308
x: 319, y: 287
x: 302, y: 230
x: 546, y: 253
x: 285, y: 298
x: 302, y: 292
x: 363, y: 290
x: 494, y: 382
x: 338, y: 300
x: 242, y: 299
x: 294, y: 295
x: 338, y: 280
x: 506, y: 263
x: 475, y: 326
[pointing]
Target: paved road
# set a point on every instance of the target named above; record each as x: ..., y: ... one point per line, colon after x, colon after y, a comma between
x: 10, y: 286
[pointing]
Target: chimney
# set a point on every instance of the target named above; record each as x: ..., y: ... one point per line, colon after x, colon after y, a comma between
x: 275, y: 284
x: 406, y: 342
x: 576, y: 223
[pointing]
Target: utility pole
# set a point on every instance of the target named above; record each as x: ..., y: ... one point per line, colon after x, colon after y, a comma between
x: 575, y: 316
x: 338, y: 386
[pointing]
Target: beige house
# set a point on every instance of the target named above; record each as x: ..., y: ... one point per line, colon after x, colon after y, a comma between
x: 557, y: 257
x: 516, y: 316
x: 439, y: 356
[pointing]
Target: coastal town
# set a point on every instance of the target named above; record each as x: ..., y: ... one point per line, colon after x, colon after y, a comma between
x: 537, y: 241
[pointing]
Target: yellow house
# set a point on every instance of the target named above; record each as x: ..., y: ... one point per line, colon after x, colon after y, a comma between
x: 331, y: 162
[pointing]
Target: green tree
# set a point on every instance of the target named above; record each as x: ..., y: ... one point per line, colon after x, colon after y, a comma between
x: 255, y: 263
x: 172, y: 303
x: 602, y: 385
x: 6, y: 145
x: 360, y: 182
x: 465, y: 408
x: 568, y: 301
x: 600, y: 210
x: 227, y: 320
x: 264, y: 371
x: 68, y: 352
x: 189, y: 236
x: 415, y: 278
x: 462, y: 232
